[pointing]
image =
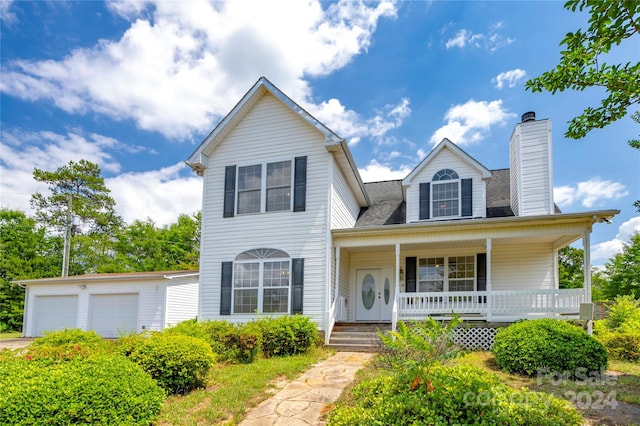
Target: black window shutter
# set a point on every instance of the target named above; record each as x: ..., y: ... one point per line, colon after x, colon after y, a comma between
x: 297, y: 286
x: 467, y: 197
x: 229, y: 191
x: 410, y: 274
x: 481, y: 275
x: 300, y: 184
x: 424, y: 200
x: 225, y: 288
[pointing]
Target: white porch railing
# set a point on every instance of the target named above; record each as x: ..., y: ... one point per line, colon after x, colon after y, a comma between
x: 512, y: 303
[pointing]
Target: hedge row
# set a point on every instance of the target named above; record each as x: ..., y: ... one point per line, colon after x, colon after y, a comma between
x: 282, y: 336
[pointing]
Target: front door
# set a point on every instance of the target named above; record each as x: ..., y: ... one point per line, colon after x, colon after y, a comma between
x: 374, y: 293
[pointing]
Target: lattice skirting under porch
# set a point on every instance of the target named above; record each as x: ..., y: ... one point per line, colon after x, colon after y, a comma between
x: 475, y: 337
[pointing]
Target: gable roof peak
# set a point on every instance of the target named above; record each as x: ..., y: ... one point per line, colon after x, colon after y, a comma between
x: 459, y: 152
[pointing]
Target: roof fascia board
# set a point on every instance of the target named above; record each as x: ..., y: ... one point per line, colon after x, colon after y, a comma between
x: 446, y: 143
x: 74, y: 279
x: 456, y: 225
x: 352, y: 174
x: 253, y: 94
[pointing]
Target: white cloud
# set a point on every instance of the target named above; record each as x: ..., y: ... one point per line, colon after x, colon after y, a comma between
x: 6, y: 15
x: 491, y: 40
x: 352, y: 126
x: 510, y: 78
x: 471, y: 122
x: 602, y: 252
x: 160, y: 194
x: 181, y: 65
x: 590, y: 193
x: 374, y: 172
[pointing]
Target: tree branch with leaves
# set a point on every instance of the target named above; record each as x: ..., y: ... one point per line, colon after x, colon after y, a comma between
x: 582, y: 63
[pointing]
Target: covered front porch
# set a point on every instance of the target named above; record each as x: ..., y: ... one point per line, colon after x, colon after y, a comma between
x: 494, y: 270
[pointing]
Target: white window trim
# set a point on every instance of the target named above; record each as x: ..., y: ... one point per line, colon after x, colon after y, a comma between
x: 260, y: 287
x: 445, y: 284
x: 263, y: 187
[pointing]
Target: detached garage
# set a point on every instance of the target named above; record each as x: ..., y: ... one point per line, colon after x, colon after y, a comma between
x: 111, y: 304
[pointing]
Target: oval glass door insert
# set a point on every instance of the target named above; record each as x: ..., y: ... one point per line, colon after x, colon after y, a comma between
x: 387, y: 291
x: 368, y: 291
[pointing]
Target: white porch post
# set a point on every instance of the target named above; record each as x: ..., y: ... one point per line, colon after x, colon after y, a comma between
x: 336, y: 289
x: 586, y: 243
x: 394, y: 315
x: 489, y: 292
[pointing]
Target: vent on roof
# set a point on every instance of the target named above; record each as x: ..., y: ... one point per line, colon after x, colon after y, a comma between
x: 528, y: 116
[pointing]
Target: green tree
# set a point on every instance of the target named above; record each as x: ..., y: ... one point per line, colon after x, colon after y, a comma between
x: 571, y: 267
x: 83, y: 184
x: 599, y: 281
x: 76, y: 190
x: 26, y: 252
x: 182, y: 242
x: 623, y: 271
x: 582, y: 63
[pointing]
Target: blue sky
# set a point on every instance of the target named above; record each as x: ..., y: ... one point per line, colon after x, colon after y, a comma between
x: 136, y: 86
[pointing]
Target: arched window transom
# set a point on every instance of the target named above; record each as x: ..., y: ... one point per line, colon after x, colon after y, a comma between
x: 445, y: 174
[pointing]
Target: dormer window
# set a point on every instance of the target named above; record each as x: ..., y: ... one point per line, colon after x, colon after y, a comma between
x: 446, y: 194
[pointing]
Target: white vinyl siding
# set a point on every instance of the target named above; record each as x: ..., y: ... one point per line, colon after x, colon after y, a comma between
x: 523, y: 267
x: 182, y: 301
x: 531, y: 188
x: 113, y: 315
x: 344, y: 206
x: 55, y: 313
x: 446, y: 159
x: 270, y: 132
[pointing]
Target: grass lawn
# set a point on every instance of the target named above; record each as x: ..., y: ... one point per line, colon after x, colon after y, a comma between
x: 10, y: 335
x: 234, y: 389
x: 612, y: 400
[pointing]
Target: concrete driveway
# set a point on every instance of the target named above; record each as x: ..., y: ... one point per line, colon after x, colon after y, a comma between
x: 15, y: 343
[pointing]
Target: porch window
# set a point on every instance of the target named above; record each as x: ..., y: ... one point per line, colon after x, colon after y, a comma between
x: 455, y: 273
x: 261, y: 282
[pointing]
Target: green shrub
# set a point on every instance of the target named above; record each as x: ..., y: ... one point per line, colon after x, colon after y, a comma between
x: 287, y: 335
x: 415, y: 347
x: 622, y: 345
x: 460, y: 394
x: 70, y: 336
x: 241, y: 344
x: 126, y: 345
x: 548, y: 345
x: 625, y: 309
x: 61, y: 352
x: 103, y: 389
x: 178, y: 363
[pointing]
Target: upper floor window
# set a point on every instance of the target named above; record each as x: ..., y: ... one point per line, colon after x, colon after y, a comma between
x: 274, y: 181
x: 445, y: 200
x: 446, y: 196
x: 265, y: 187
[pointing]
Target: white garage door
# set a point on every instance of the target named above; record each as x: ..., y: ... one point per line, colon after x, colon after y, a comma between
x: 113, y: 315
x: 55, y: 313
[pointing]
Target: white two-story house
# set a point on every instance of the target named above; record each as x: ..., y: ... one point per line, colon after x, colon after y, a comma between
x: 289, y: 227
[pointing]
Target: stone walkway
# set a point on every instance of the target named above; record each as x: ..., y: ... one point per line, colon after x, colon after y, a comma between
x: 305, y: 399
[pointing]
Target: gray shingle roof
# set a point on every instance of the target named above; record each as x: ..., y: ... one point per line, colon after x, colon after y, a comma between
x: 388, y: 204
